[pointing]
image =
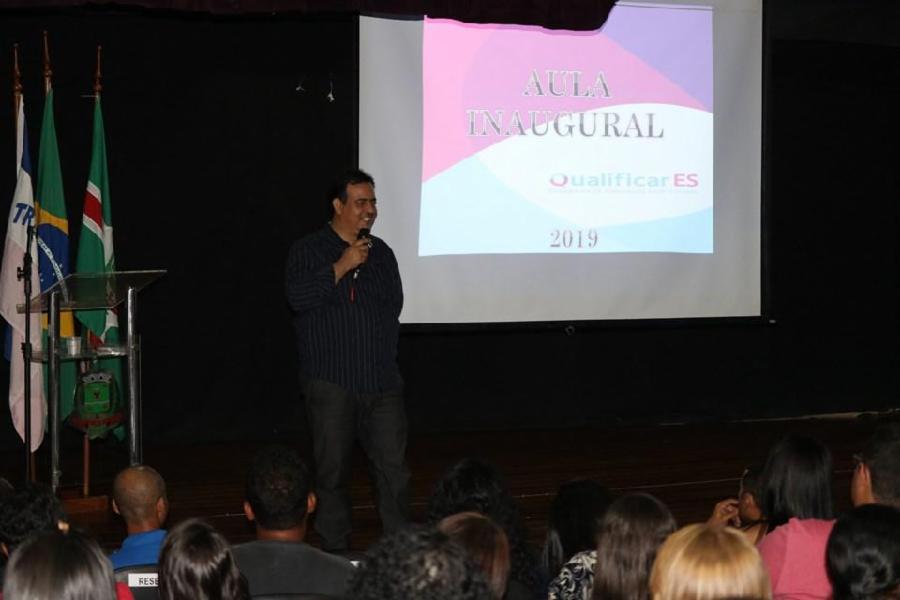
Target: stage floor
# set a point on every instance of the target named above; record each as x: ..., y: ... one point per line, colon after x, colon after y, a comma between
x: 690, y: 467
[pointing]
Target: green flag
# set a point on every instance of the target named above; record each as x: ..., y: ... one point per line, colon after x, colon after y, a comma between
x: 95, y: 248
x: 53, y: 241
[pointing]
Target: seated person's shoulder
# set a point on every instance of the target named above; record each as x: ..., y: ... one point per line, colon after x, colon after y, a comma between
x: 297, y: 567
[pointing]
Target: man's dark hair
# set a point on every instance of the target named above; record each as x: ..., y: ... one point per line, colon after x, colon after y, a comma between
x: 28, y: 511
x: 278, y: 486
x: 863, y: 553
x: 418, y: 564
x: 882, y: 456
x: 349, y: 177
x: 136, y: 491
x: 797, y: 481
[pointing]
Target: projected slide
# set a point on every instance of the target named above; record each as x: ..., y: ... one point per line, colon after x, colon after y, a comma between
x: 542, y: 142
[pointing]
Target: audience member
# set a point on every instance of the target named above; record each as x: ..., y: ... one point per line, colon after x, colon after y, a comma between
x: 864, y: 554
x: 575, y: 518
x: 196, y: 564
x: 797, y: 502
x: 708, y: 562
x: 279, y: 500
x: 630, y: 534
x: 574, y: 521
x: 418, y: 564
x: 26, y: 512
x: 139, y: 496
x: 876, y: 479
x: 744, y: 512
x: 472, y: 485
x: 485, y: 543
x: 59, y: 566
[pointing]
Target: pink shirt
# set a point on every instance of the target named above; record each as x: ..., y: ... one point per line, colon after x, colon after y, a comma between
x: 794, y: 555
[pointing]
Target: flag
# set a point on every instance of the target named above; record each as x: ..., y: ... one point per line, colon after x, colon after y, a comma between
x: 95, y: 247
x: 53, y: 241
x: 21, y: 214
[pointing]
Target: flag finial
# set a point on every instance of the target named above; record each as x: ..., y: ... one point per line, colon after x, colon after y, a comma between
x: 48, y: 72
x: 97, y: 74
x: 17, y: 75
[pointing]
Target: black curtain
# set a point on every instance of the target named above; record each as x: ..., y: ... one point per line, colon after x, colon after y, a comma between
x: 556, y: 14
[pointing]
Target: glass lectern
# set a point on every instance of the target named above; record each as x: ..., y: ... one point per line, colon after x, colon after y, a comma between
x: 85, y: 291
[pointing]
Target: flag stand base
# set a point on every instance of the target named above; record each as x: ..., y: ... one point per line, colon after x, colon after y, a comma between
x: 84, y: 503
x: 78, y: 504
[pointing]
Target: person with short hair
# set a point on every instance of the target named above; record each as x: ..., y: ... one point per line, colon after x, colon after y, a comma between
x: 59, y: 566
x: 279, y: 501
x: 343, y: 286
x: 631, y: 532
x: 797, y: 503
x: 708, y: 562
x: 139, y: 497
x: 28, y: 511
x: 864, y: 554
x: 196, y: 563
x: 486, y: 544
x: 418, y: 563
x: 876, y: 478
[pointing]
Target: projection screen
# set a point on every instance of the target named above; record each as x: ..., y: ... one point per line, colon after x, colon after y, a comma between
x: 526, y: 174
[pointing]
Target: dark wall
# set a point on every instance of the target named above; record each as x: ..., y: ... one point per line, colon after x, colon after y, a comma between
x: 217, y: 162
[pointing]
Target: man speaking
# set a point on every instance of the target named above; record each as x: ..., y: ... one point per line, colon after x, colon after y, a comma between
x: 344, y: 287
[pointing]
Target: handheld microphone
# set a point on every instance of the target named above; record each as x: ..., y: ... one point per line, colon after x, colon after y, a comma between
x: 363, y: 233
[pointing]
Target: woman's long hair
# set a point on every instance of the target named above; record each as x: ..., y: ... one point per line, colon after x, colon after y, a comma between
x: 59, y: 566
x: 575, y: 516
x: 472, y: 485
x: 631, y: 532
x: 195, y: 563
x: 797, y: 481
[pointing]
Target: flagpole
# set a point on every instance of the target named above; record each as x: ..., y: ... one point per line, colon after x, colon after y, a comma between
x: 48, y: 72
x: 23, y: 273
x: 97, y: 75
x: 17, y: 94
x: 53, y: 373
x: 86, y: 444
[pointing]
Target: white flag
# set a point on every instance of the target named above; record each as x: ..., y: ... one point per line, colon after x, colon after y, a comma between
x: 21, y: 214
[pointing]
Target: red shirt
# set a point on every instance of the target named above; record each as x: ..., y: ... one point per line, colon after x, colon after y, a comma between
x: 123, y: 592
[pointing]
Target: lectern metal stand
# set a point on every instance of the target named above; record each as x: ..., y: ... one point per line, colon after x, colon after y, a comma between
x: 94, y: 291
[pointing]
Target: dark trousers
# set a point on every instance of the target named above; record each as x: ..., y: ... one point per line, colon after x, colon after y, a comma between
x: 378, y: 421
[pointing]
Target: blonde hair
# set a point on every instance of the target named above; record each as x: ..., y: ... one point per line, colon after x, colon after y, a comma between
x: 703, y: 562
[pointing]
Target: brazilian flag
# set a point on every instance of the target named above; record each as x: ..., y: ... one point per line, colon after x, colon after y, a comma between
x: 53, y: 242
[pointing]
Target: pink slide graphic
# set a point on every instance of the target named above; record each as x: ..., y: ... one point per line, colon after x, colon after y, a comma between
x: 514, y: 76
